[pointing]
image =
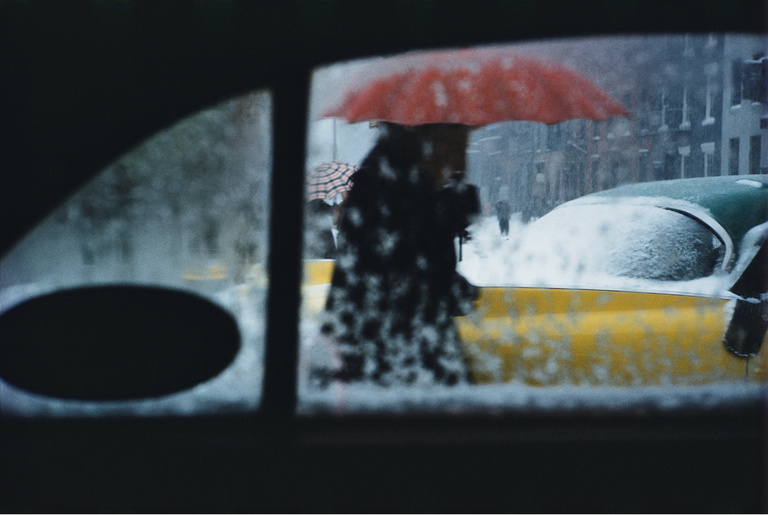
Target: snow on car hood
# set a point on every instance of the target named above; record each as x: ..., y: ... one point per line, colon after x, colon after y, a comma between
x: 598, y: 245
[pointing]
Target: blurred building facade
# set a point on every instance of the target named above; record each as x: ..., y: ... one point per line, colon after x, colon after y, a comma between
x: 698, y: 108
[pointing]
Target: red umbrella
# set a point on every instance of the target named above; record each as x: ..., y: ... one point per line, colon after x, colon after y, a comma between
x: 473, y: 87
x: 327, y: 180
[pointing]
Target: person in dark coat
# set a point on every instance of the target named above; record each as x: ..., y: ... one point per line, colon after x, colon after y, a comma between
x: 395, y: 286
x: 503, y: 212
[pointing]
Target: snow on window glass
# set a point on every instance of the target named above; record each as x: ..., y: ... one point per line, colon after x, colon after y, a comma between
x: 186, y: 210
x: 452, y: 271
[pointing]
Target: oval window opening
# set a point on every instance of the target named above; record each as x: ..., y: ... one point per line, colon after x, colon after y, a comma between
x: 110, y: 343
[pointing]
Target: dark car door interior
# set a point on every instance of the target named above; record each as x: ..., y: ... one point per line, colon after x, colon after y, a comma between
x: 90, y: 80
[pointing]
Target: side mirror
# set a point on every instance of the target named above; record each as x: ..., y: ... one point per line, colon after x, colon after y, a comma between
x: 749, y: 322
x: 747, y: 329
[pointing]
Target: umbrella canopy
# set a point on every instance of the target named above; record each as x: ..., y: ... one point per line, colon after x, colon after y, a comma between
x: 328, y: 180
x: 473, y: 87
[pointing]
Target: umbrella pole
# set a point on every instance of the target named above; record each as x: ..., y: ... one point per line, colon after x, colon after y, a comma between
x: 461, y: 242
x: 334, y: 139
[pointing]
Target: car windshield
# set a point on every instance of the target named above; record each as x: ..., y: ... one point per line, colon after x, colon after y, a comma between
x: 606, y: 245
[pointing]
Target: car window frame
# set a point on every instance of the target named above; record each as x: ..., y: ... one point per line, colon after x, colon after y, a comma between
x: 290, y: 98
x: 271, y: 459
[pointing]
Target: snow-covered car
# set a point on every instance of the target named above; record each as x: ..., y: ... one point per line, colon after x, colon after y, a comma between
x: 660, y: 283
x: 650, y: 283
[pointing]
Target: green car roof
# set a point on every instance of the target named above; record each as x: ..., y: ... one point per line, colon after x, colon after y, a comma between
x: 737, y: 202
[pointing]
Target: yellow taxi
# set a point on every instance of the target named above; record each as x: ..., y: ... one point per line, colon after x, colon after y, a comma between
x: 661, y: 283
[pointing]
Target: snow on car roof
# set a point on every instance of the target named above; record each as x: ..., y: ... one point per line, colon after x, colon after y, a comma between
x: 737, y: 203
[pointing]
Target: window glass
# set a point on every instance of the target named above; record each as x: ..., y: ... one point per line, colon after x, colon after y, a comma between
x: 186, y: 211
x: 463, y: 252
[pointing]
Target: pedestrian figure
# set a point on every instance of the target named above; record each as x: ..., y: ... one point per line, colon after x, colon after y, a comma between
x: 395, y: 287
x: 503, y: 212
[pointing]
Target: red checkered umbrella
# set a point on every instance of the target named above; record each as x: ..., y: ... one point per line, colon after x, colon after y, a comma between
x: 328, y: 180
